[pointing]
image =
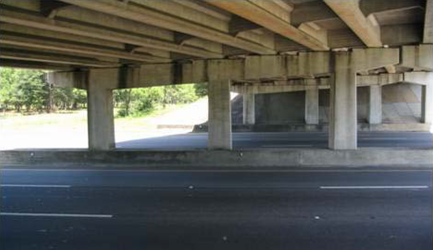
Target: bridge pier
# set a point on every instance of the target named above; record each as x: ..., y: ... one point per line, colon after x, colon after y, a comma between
x: 427, y: 101
x: 312, y: 104
x: 248, y: 107
x: 375, y: 104
x: 100, y: 117
x: 343, y: 118
x: 220, y: 118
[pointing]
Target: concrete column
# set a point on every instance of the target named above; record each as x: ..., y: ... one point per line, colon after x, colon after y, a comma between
x: 100, y: 116
x: 312, y: 104
x: 375, y: 104
x: 427, y: 103
x: 220, y: 117
x: 343, y: 117
x: 249, y: 114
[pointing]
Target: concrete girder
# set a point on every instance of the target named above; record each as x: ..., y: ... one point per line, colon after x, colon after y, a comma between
x: 317, y: 11
x: 417, y: 57
x: 33, y: 65
x: 321, y: 83
x: 143, y: 15
x: 366, y: 28
x: 303, y: 65
x: 75, y: 48
x: 373, y: 58
x: 369, y: 7
x: 420, y: 78
x: 38, y: 22
x: 259, y: 12
x: 15, y: 54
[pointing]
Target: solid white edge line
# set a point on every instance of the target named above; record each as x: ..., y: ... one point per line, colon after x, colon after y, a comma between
x: 35, y: 186
x: 57, y: 215
x: 320, y: 169
x: 373, y: 187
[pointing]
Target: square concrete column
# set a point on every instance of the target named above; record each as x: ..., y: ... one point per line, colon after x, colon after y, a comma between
x: 375, y: 104
x: 249, y: 114
x: 100, y: 116
x: 312, y: 104
x: 220, y: 117
x: 343, y: 116
x: 427, y: 103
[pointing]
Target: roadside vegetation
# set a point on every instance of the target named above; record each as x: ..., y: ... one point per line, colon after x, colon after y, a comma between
x: 26, y: 92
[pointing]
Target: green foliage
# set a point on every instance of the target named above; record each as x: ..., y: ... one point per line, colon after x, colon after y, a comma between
x: 26, y: 90
x: 200, y: 89
x: 139, y: 102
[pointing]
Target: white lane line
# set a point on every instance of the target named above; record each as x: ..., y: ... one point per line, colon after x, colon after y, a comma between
x: 373, y: 187
x: 287, y: 146
x: 210, y: 170
x: 57, y: 215
x: 384, y: 139
x: 35, y: 186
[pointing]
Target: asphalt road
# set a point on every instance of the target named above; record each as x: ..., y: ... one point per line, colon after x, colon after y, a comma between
x: 284, y: 140
x: 370, y: 209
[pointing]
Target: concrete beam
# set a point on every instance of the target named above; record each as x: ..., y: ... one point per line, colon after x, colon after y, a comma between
x: 365, y: 28
x: 374, y: 58
x: 11, y: 39
x: 33, y: 65
x: 100, y: 116
x: 39, y: 22
x: 320, y: 83
x: 311, y: 12
x: 219, y: 122
x: 143, y: 15
x: 369, y: 7
x: 252, y: 68
x: 417, y: 57
x: 24, y: 55
x: 260, y: 12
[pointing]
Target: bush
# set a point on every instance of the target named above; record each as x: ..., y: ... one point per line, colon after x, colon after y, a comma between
x: 137, y: 102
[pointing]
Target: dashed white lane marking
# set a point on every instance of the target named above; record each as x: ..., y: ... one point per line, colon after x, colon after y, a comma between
x: 373, y: 187
x: 35, y: 186
x: 57, y: 215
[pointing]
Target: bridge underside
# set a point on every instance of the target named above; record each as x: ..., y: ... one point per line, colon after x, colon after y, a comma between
x: 250, y: 47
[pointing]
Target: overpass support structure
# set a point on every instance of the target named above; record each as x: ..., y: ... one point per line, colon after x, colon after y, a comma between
x: 100, y: 116
x: 312, y: 103
x: 375, y: 104
x: 304, y: 71
x: 220, y: 118
x: 249, y: 107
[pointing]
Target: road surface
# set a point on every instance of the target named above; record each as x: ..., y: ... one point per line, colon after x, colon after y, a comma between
x: 284, y: 140
x: 216, y: 209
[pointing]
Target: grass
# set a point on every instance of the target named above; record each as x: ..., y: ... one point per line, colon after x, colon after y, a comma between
x: 77, y: 119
